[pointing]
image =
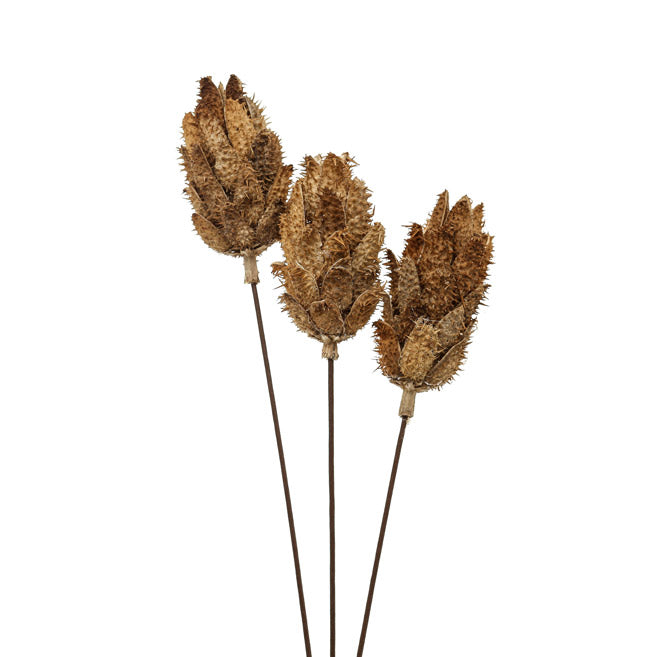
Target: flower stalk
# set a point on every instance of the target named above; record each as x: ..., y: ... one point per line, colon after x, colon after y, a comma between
x: 238, y: 186
x: 429, y: 311
x: 331, y: 279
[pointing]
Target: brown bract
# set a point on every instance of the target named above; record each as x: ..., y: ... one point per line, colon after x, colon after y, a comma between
x: 236, y: 180
x: 435, y: 289
x: 331, y: 248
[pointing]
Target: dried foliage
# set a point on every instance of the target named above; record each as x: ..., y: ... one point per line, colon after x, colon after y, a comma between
x: 236, y: 180
x: 433, y: 295
x: 331, y: 248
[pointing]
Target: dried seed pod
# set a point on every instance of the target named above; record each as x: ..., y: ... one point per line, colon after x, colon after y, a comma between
x: 236, y: 180
x: 434, y: 292
x: 331, y: 247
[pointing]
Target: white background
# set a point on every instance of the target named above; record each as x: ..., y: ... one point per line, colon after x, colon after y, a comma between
x: 141, y: 510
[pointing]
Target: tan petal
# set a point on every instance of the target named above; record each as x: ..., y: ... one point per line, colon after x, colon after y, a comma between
x: 298, y: 314
x: 309, y: 250
x: 210, y: 107
x: 409, y: 284
x: 335, y: 175
x: 303, y: 285
x: 358, y: 209
x: 387, y: 313
x: 392, y: 265
x: 248, y: 196
x: 280, y: 187
x: 338, y: 287
x: 327, y: 317
x: 191, y: 131
x: 256, y: 114
x: 446, y: 367
x: 330, y: 213
x: 312, y: 170
x: 268, y: 230
x: 366, y: 255
x: 471, y: 264
x: 210, y: 234
x: 414, y: 243
x: 234, y: 88
x: 239, y: 233
x: 267, y: 157
x: 419, y: 352
x: 477, y: 218
x: 292, y: 224
x: 362, y: 310
x: 459, y: 215
x: 436, y: 259
x: 453, y: 326
x: 196, y: 201
x: 239, y: 127
x: 203, y: 178
x: 439, y: 214
x: 337, y: 247
x: 387, y: 347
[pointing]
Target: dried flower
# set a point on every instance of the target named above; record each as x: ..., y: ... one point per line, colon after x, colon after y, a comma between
x: 236, y: 180
x: 331, y: 247
x: 434, y: 292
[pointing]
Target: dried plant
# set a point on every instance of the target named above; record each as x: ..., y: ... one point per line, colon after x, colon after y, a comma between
x: 331, y: 247
x: 434, y: 292
x: 331, y: 278
x: 238, y: 186
x: 428, y: 317
x: 236, y: 180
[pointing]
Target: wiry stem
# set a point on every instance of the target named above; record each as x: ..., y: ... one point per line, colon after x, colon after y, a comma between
x: 281, y: 458
x: 331, y: 469
x: 382, y: 533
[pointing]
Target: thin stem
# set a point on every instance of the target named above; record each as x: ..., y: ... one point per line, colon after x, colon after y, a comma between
x: 382, y: 533
x: 331, y: 474
x: 281, y: 458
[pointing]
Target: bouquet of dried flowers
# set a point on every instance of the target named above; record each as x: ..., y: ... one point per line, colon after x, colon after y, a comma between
x: 238, y: 186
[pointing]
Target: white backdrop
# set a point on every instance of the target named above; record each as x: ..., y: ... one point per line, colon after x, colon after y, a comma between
x: 141, y: 510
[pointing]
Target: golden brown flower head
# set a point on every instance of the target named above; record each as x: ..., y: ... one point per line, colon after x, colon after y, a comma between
x: 434, y: 292
x: 236, y: 180
x: 331, y: 247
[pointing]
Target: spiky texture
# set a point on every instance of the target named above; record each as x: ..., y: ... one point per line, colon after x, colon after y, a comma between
x: 331, y: 247
x: 434, y: 292
x: 236, y: 180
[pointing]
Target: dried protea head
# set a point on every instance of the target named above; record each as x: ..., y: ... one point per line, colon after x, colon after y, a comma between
x: 236, y: 179
x: 434, y: 292
x: 331, y: 247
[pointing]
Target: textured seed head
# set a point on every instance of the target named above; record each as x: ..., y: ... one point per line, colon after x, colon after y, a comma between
x: 434, y: 292
x: 327, y: 233
x: 236, y: 180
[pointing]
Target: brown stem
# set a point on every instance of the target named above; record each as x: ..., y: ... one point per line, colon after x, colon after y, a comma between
x: 382, y: 533
x: 250, y: 268
x: 281, y: 458
x: 331, y: 473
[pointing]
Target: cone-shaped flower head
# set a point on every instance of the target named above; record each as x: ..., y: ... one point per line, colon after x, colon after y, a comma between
x: 434, y: 292
x: 236, y: 180
x: 331, y: 247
